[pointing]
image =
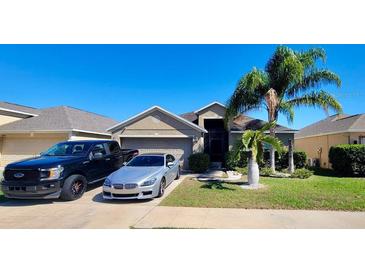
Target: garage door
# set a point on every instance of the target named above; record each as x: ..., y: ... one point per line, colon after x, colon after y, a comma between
x: 15, y: 149
x: 181, y: 148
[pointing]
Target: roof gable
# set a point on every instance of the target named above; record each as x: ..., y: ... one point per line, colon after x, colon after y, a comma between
x: 149, y: 111
x: 209, y: 106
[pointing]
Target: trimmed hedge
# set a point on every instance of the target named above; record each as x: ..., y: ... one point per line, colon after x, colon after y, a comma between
x: 302, y: 173
x: 348, y: 160
x: 199, y: 162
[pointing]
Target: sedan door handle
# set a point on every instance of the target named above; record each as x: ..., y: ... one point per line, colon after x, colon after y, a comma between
x: 107, y: 159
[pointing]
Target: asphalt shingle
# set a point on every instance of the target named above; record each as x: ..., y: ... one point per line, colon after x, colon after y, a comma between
x: 333, y: 124
x: 62, y: 118
x: 21, y: 108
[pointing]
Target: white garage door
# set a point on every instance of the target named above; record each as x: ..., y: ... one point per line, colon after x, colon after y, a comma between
x: 181, y: 148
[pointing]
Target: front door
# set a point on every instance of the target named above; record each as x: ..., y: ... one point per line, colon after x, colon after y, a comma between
x: 216, y: 140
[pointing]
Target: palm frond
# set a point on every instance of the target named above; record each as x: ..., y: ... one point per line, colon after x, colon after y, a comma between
x: 311, y: 56
x: 248, y: 94
x: 284, y: 68
x: 274, y: 142
x: 287, y: 110
x: 320, y: 99
x: 267, y: 126
x: 313, y: 79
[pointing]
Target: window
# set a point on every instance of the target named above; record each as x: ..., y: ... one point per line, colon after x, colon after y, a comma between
x: 142, y: 161
x: 68, y: 149
x: 170, y: 159
x: 99, y: 149
x: 114, y: 147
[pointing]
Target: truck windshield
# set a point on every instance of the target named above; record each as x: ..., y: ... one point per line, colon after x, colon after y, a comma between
x: 68, y: 149
x: 140, y: 161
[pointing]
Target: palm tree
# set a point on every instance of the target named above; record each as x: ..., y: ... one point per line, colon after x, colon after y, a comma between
x: 253, y: 141
x: 290, y: 79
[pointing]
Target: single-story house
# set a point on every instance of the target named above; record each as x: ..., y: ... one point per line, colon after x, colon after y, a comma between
x: 26, y: 131
x: 317, y: 139
x: 158, y: 130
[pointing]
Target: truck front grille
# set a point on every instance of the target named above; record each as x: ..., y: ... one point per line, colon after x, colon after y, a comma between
x: 21, y: 175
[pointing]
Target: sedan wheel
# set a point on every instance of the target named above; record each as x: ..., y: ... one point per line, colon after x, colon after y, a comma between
x: 161, y: 191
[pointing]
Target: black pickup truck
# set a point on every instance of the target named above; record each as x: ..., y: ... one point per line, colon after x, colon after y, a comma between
x: 64, y: 170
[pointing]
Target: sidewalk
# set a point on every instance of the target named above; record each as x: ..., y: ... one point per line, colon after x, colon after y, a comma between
x: 182, y: 217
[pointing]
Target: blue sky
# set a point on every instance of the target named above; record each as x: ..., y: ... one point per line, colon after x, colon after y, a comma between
x: 123, y: 80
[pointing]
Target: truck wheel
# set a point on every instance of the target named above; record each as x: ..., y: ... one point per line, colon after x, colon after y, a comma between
x: 73, y: 188
x: 161, y: 190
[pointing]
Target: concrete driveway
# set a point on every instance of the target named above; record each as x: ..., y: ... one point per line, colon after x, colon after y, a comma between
x: 91, y: 211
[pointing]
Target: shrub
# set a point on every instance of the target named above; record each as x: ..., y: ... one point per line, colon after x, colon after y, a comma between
x: 266, y: 171
x: 199, y: 162
x: 302, y: 173
x: 300, y: 159
x: 242, y: 170
x: 232, y: 161
x: 348, y: 160
x: 282, y: 160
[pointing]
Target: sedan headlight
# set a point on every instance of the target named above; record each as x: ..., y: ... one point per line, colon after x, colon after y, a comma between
x: 108, y: 183
x: 51, y: 173
x: 149, y: 182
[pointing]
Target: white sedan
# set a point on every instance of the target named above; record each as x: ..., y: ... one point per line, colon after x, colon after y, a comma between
x: 144, y: 177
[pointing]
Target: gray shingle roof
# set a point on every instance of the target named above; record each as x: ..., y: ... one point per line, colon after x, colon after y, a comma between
x: 19, y: 108
x: 190, y: 116
x: 62, y: 118
x: 240, y: 123
x: 333, y: 124
x: 243, y: 122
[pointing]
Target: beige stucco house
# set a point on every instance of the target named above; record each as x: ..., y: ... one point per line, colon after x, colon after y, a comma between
x: 317, y: 139
x: 26, y: 131
x: 158, y: 130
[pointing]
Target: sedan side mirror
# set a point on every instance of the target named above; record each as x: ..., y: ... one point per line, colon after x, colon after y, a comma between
x: 98, y: 156
x: 125, y: 163
x: 170, y: 164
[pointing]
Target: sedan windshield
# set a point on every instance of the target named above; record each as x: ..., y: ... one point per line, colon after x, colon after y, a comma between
x: 147, y: 161
x: 68, y: 149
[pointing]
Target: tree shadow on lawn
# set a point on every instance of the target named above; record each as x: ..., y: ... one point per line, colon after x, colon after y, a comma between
x: 217, y: 184
x: 324, y: 172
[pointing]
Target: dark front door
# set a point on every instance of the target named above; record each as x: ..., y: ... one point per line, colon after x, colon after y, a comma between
x: 216, y: 140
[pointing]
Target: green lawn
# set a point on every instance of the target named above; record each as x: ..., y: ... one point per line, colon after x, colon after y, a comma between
x: 317, y: 192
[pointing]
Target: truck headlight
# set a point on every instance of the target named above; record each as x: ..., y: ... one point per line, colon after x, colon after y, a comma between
x: 149, y: 182
x: 108, y: 183
x: 51, y: 173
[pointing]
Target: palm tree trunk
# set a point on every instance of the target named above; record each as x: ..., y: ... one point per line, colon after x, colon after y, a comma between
x: 272, y: 103
x: 291, y: 166
x: 272, y: 151
x: 253, y: 172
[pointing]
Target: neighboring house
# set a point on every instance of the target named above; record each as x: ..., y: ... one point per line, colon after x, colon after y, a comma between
x: 25, y: 131
x: 158, y: 130
x: 317, y: 139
